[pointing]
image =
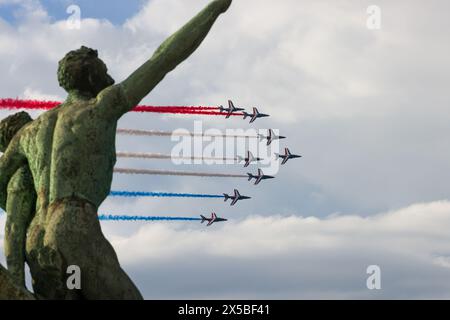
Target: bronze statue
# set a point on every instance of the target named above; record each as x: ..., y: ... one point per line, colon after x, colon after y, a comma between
x: 70, y: 152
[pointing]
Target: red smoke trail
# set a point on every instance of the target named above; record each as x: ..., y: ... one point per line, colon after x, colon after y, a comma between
x: 174, y: 110
x: 199, y: 108
x: 13, y: 104
x: 27, y: 104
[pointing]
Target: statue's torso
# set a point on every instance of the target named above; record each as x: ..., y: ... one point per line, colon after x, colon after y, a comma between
x: 71, y: 152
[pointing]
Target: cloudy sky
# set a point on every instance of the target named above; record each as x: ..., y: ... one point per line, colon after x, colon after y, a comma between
x: 368, y: 110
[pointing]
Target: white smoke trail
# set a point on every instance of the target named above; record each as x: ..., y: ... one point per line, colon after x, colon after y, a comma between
x: 176, y: 173
x: 155, y: 133
x: 159, y: 156
x: 152, y: 133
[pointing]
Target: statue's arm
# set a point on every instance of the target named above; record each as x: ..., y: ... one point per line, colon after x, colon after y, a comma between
x: 171, y: 53
x: 10, y: 162
x: 20, y: 208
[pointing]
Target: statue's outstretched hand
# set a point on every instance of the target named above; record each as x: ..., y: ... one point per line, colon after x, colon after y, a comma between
x: 225, y: 4
x: 170, y: 54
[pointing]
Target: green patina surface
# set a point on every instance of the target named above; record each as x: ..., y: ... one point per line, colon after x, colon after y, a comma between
x: 9, y: 290
x: 57, y: 170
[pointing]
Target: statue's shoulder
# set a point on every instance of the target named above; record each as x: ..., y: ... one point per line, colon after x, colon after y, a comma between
x: 34, y: 128
x: 112, y: 94
x: 112, y: 102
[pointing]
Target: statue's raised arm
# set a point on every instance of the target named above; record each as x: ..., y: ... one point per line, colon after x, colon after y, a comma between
x: 171, y: 53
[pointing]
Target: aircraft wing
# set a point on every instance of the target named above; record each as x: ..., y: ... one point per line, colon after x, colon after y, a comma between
x: 285, y: 159
x: 258, y: 180
x: 235, y: 200
x: 213, y: 219
x: 210, y: 223
x: 255, y: 115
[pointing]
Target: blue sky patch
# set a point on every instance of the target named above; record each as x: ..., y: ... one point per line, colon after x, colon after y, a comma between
x: 116, y: 11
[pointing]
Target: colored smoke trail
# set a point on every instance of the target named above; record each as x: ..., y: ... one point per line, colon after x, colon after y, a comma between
x: 152, y: 133
x: 198, y: 110
x: 181, y: 110
x: 144, y: 218
x: 159, y: 156
x: 104, y: 217
x: 13, y: 104
x: 151, y: 108
x: 135, y: 194
x: 177, y: 173
x: 27, y: 104
x: 155, y: 133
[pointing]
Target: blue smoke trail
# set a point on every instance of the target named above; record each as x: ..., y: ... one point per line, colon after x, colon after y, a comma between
x: 131, y: 194
x: 104, y: 217
x: 143, y: 218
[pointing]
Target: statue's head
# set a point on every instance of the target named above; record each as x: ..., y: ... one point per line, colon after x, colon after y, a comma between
x: 10, y: 126
x: 83, y: 71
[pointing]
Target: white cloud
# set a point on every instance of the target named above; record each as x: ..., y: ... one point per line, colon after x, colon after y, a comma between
x: 32, y: 94
x: 294, y: 257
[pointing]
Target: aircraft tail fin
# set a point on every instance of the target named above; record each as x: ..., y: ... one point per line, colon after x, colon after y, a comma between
x: 250, y: 176
x: 203, y: 218
x: 226, y: 197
